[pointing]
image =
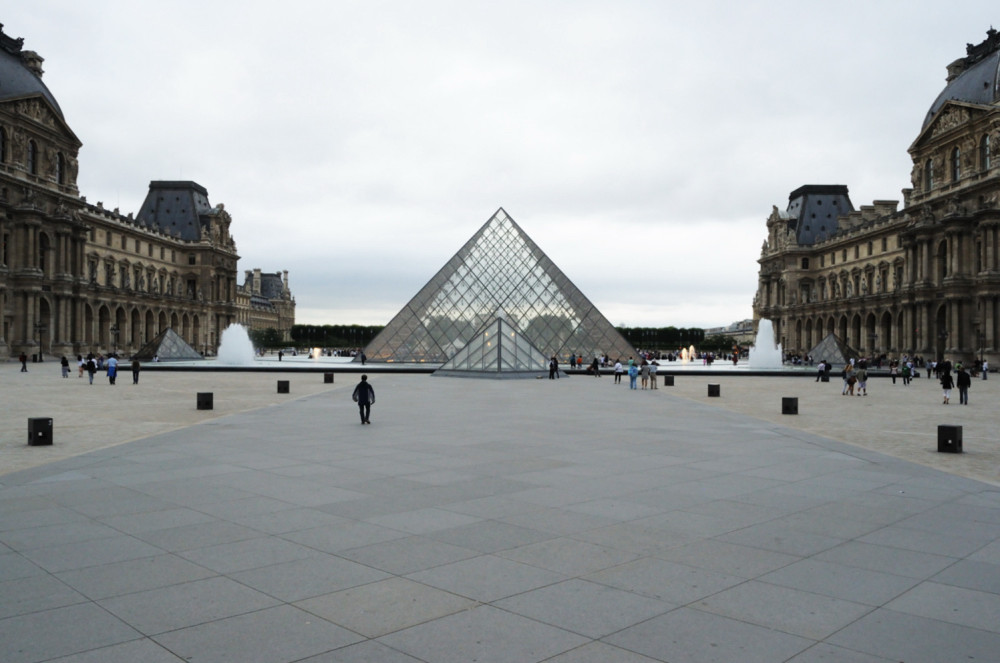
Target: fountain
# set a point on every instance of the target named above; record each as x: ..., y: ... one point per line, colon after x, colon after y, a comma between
x: 235, y: 348
x: 765, y: 353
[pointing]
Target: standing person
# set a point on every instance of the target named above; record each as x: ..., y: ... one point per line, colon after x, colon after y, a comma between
x: 553, y: 368
x: 820, y: 369
x: 23, y: 358
x: 985, y: 367
x: 135, y: 370
x: 596, y: 367
x: 618, y: 371
x: 81, y: 364
x: 893, y: 370
x: 644, y: 372
x: 364, y: 396
x: 847, y: 374
x: 572, y: 361
x: 633, y: 373
x: 947, y: 384
x: 863, y: 380
x: 91, y: 367
x: 652, y: 374
x: 963, y: 383
x: 64, y: 362
x: 906, y: 373
x: 112, y: 369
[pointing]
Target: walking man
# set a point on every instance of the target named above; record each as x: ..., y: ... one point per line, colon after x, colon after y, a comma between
x: 364, y: 396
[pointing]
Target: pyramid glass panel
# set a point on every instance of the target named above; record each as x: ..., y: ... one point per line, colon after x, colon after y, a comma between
x: 496, y: 351
x: 500, y: 273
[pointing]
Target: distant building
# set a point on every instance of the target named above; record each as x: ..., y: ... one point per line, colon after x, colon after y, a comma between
x: 76, y: 277
x: 924, y: 279
x: 741, y: 332
x: 264, y: 301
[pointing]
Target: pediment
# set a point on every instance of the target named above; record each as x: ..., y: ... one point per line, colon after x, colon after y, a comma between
x: 37, y: 110
x: 953, y: 114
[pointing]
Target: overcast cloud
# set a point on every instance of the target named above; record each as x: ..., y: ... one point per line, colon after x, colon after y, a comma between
x: 360, y: 144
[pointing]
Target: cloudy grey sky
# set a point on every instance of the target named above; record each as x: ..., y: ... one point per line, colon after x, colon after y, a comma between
x: 359, y: 144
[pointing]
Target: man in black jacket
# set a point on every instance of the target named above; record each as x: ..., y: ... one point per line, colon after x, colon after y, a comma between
x: 364, y: 396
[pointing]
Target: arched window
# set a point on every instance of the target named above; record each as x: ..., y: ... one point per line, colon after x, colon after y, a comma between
x: 956, y: 165
x: 32, y: 161
x: 984, y: 152
x: 929, y: 175
x: 60, y: 168
x: 3, y: 145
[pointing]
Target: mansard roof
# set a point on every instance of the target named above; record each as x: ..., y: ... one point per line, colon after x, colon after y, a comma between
x: 815, y: 209
x: 175, y: 208
x: 17, y: 81
x: 973, y: 79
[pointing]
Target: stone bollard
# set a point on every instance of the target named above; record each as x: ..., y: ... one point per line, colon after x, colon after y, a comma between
x: 825, y: 377
x: 328, y: 378
x: 283, y: 386
x: 789, y: 405
x: 39, y: 432
x: 668, y: 380
x: 206, y: 400
x: 950, y: 439
x: 713, y: 390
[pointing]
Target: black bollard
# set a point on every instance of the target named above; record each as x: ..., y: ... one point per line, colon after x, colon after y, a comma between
x: 39, y: 432
x: 282, y: 386
x: 950, y: 439
x: 713, y: 390
x: 668, y: 380
x: 328, y: 378
x: 789, y: 405
x: 206, y: 400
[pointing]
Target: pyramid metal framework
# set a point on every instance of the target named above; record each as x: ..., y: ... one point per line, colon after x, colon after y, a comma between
x: 500, y: 271
x: 167, y: 346
x: 497, y: 351
x: 831, y: 349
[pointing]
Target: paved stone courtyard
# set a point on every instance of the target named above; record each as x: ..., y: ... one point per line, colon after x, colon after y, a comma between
x: 517, y: 521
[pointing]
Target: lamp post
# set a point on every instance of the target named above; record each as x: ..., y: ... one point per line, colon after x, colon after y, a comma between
x: 39, y: 330
x: 114, y: 331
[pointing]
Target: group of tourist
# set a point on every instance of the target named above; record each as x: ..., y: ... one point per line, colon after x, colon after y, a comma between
x: 855, y: 376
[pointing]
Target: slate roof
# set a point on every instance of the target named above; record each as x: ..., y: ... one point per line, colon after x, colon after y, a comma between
x: 16, y: 80
x: 175, y: 208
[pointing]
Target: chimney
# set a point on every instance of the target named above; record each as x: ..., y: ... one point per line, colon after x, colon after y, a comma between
x: 256, y: 281
x: 284, y: 281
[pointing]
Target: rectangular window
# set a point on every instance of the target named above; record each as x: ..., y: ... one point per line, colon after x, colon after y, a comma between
x: 833, y: 258
x: 843, y: 255
x: 822, y: 261
x: 163, y: 252
x: 805, y: 263
x: 885, y: 243
x: 192, y: 259
x: 857, y: 252
x: 150, y: 249
x: 108, y: 238
x: 869, y: 248
x: 138, y: 246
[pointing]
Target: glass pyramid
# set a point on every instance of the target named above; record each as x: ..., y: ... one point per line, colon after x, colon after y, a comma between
x: 499, y: 272
x: 833, y: 350
x: 167, y: 346
x: 498, y: 350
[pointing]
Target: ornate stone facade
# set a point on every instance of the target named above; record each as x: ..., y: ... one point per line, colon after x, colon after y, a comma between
x: 265, y: 301
x: 76, y: 277
x: 923, y: 279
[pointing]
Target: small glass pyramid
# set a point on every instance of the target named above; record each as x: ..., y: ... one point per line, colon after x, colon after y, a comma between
x: 167, y: 346
x: 499, y: 272
x: 498, y: 350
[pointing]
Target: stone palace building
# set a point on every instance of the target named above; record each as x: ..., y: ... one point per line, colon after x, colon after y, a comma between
x: 76, y: 277
x: 923, y: 279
